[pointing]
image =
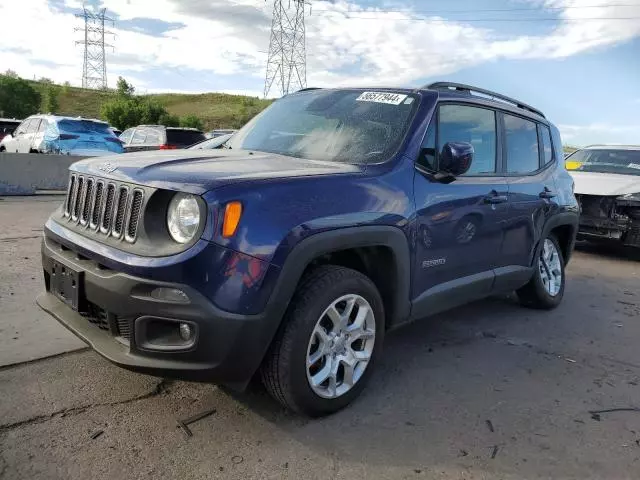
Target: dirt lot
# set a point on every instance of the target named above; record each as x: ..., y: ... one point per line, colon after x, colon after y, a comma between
x: 490, y: 390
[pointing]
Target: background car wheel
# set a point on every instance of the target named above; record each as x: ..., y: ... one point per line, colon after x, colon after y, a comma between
x: 328, y: 343
x: 546, y: 288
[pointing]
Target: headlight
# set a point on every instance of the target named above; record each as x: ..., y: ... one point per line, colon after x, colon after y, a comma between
x: 183, y: 217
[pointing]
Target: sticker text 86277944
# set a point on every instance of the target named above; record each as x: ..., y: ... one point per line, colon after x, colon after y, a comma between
x: 382, y: 97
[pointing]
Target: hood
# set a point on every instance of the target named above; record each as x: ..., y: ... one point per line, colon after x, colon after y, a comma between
x: 198, y: 171
x: 613, y: 184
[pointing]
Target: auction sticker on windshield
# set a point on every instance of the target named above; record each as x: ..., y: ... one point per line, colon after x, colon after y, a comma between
x: 382, y: 97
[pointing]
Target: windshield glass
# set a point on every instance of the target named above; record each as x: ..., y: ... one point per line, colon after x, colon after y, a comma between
x: 348, y: 126
x: 626, y: 162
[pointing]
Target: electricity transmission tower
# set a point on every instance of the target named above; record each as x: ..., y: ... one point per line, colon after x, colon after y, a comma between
x: 94, y: 70
x: 287, y: 63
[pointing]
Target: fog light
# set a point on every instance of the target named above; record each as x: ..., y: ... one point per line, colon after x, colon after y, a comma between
x: 170, y: 295
x: 186, y: 331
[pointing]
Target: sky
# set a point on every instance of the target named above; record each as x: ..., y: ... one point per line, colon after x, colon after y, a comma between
x: 576, y: 60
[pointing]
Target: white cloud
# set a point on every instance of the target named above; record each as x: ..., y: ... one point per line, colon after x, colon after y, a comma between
x: 228, y: 37
x: 598, y: 133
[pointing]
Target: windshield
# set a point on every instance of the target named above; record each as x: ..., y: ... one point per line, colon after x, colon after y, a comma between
x: 626, y: 162
x: 348, y: 126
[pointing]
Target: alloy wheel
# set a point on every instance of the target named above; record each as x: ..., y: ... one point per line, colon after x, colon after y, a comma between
x: 340, y: 346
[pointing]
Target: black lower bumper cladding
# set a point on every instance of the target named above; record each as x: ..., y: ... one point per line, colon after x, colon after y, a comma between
x: 108, y: 312
x: 608, y: 218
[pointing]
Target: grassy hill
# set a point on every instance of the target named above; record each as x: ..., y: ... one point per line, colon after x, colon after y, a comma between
x: 216, y: 110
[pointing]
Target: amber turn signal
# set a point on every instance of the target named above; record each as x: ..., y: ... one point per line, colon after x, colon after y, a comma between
x: 232, y: 214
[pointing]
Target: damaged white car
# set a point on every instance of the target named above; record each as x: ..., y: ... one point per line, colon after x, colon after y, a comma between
x: 607, y: 186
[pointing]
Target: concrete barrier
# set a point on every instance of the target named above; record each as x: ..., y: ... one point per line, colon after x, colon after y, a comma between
x: 25, y: 173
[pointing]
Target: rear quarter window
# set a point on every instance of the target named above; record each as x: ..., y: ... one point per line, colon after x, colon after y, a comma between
x: 184, y: 138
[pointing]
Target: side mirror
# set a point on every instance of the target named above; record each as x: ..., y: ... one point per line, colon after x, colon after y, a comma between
x: 456, y: 158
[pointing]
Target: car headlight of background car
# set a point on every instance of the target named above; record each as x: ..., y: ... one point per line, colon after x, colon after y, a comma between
x: 183, y: 217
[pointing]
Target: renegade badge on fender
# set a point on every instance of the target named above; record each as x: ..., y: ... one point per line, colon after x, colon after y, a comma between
x: 330, y: 218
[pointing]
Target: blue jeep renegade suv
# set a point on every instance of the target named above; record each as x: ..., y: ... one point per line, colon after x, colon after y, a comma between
x: 332, y: 217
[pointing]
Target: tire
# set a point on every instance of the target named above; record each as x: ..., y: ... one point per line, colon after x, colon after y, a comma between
x: 536, y: 294
x: 284, y: 371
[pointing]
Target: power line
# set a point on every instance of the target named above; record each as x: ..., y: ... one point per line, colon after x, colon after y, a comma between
x: 490, y: 10
x: 478, y: 20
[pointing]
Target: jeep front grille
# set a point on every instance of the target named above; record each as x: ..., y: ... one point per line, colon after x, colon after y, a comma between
x: 104, y: 207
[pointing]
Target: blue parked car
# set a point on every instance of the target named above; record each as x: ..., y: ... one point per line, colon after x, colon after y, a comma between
x: 331, y: 218
x: 79, y: 136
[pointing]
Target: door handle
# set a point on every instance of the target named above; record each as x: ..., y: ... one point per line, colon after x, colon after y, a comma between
x: 493, y: 198
x: 547, y: 193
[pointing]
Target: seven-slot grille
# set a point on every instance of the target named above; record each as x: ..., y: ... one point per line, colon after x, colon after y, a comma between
x: 111, y: 208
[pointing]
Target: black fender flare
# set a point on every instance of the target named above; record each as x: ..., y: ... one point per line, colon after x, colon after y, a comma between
x: 259, y: 340
x: 570, y: 219
x: 341, y: 239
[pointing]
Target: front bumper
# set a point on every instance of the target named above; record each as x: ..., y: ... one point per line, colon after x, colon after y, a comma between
x: 113, y: 307
x: 608, y: 230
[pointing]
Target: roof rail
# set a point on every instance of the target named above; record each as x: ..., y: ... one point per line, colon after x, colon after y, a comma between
x: 469, y: 90
x: 308, y: 88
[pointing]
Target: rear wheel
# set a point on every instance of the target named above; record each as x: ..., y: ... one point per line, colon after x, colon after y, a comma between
x: 328, y: 344
x: 546, y: 288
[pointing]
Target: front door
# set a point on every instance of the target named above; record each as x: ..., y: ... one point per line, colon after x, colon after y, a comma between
x: 459, y: 225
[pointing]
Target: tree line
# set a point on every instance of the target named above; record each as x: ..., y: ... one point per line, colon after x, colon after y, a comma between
x: 19, y: 99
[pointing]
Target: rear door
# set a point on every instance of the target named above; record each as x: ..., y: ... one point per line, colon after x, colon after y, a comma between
x: 529, y: 155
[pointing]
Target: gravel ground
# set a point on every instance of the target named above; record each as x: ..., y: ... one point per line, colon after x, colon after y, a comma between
x: 22, y: 324
x: 490, y: 390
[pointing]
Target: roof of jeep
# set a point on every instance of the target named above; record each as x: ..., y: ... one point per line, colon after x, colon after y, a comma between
x: 460, y: 92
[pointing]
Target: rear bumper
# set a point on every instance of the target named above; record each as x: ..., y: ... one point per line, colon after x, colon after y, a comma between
x: 113, y: 315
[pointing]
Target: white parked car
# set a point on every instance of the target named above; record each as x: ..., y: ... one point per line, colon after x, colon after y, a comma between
x: 607, y: 186
x: 62, y: 135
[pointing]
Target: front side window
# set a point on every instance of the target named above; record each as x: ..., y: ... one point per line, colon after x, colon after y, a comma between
x: 522, y: 145
x: 428, y: 153
x: 477, y: 126
x: 349, y: 126
x: 22, y: 128
x: 625, y: 162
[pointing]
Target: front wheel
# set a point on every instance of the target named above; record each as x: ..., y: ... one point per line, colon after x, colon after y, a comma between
x: 329, y: 341
x: 546, y: 288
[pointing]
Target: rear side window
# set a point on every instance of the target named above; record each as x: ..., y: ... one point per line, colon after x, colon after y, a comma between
x: 126, y: 135
x: 87, y: 127
x: 547, y: 149
x: 184, y: 138
x: 138, y: 136
x: 33, y: 125
x: 522, y: 145
x: 477, y: 126
x: 43, y: 125
x: 154, y: 137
